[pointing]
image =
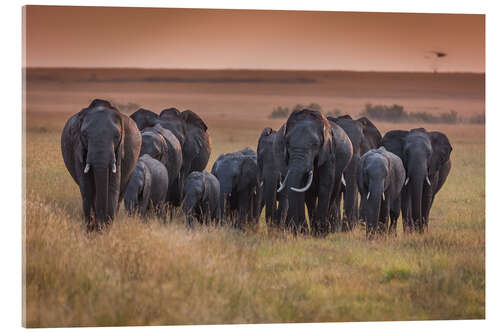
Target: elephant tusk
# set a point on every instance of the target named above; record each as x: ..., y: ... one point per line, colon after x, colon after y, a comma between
x: 428, y: 181
x: 383, y: 196
x: 87, y: 168
x: 282, y: 185
x: 114, y: 168
x: 305, y: 188
x: 343, y: 180
x: 407, y: 180
x: 368, y: 196
x: 261, y: 184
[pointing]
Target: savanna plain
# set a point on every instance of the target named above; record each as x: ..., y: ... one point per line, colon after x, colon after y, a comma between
x: 155, y: 274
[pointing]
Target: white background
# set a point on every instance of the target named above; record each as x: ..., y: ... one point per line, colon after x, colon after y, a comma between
x: 11, y: 156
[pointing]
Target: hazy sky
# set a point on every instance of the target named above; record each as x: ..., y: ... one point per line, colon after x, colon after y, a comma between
x: 201, y: 38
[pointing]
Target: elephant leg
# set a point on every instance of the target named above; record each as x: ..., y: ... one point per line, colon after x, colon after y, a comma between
x: 426, y: 205
x: 350, y: 199
x: 334, y: 209
x: 243, y: 206
x: 406, y: 210
x: 323, y: 205
x: 394, y: 214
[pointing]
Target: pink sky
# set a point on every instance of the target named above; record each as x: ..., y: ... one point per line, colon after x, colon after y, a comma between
x: 201, y: 38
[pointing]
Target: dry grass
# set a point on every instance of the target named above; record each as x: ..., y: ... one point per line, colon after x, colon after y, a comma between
x: 154, y: 274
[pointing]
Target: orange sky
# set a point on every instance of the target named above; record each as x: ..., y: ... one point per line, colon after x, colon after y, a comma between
x: 201, y: 38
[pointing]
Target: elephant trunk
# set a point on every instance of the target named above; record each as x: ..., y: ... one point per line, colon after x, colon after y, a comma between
x: 101, y: 179
x: 415, y: 185
x: 187, y: 207
x: 130, y: 198
x: 225, y: 193
x: 372, y: 206
x: 296, y: 178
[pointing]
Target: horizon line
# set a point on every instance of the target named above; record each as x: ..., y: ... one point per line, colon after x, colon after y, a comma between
x: 253, y: 69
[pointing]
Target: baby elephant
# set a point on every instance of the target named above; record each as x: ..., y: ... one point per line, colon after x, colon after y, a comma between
x: 380, y: 177
x: 148, y: 186
x: 201, y: 197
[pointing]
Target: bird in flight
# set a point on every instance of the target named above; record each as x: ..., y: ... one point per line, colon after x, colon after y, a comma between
x: 439, y: 54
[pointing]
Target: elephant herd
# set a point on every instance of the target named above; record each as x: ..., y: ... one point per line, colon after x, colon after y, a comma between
x: 157, y: 162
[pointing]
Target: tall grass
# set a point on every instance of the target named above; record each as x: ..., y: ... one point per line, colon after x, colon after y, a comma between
x: 154, y: 274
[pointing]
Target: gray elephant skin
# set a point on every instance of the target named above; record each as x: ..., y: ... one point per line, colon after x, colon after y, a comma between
x: 148, y: 187
x: 364, y: 136
x: 426, y: 158
x: 308, y: 153
x: 162, y: 145
x: 238, y: 175
x: 343, y: 150
x: 189, y: 129
x: 100, y: 147
x: 271, y: 173
x: 201, y: 198
x: 380, y: 178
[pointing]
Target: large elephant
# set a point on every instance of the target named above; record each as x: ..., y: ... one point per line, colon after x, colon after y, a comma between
x: 308, y: 153
x: 201, y: 198
x: 380, y: 178
x: 364, y: 136
x: 100, y: 147
x: 426, y: 158
x: 343, y: 154
x: 162, y: 145
x: 238, y: 175
x: 148, y: 187
x: 271, y: 171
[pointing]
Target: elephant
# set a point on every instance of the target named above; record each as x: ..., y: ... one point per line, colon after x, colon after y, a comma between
x: 100, y: 147
x: 238, y: 175
x: 426, y: 158
x: 308, y: 153
x: 380, y: 178
x: 189, y: 129
x: 192, y: 134
x: 270, y: 173
x: 343, y: 154
x: 201, y: 198
x: 148, y: 187
x: 364, y: 136
x: 162, y: 145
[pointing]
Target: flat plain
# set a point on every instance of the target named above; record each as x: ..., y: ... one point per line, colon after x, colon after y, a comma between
x: 153, y: 274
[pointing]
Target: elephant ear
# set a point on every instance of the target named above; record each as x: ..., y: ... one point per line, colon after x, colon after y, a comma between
x: 204, y: 191
x: 144, y: 118
x: 326, y: 152
x: 372, y: 136
x: 394, y: 141
x: 146, y: 190
x: 248, y: 176
x: 280, y: 149
x: 131, y: 147
x: 441, y: 150
x: 216, y: 164
x: 164, y: 151
x: 193, y: 119
x: 71, y: 144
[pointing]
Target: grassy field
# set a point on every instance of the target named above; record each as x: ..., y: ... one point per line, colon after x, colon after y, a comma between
x: 154, y: 274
